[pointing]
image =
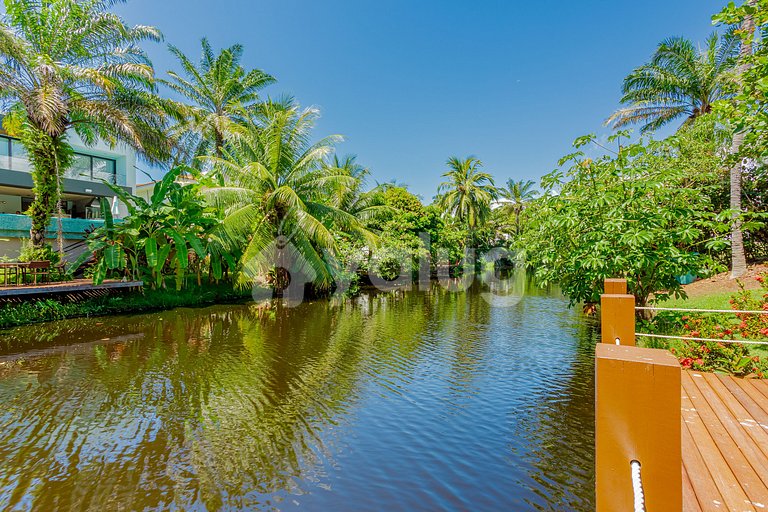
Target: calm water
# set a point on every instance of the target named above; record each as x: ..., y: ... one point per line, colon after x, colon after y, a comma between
x: 402, y: 401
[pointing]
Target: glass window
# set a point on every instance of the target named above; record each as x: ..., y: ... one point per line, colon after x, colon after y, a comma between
x: 5, y: 153
x: 19, y: 158
x: 104, y: 169
x: 81, y: 168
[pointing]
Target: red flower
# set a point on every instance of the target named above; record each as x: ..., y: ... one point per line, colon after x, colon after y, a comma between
x: 759, y: 279
x: 687, y: 362
x: 699, y: 362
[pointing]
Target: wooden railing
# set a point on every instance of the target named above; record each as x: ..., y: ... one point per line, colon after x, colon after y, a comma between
x: 637, y: 413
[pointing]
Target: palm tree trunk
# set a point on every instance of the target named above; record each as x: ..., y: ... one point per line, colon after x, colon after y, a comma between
x: 49, y: 156
x: 738, y: 256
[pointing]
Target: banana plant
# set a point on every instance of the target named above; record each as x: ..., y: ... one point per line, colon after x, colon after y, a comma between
x: 161, y: 238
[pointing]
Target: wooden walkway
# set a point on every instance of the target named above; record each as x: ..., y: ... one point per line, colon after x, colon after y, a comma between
x: 724, y: 443
x: 78, y: 286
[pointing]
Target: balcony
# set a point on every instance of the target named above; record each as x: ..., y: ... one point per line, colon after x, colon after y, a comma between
x: 89, y: 168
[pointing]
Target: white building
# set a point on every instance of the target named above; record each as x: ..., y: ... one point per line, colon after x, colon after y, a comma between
x: 83, y: 187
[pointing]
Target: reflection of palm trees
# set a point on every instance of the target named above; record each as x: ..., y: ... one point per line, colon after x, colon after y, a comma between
x: 222, y: 397
x: 228, y: 407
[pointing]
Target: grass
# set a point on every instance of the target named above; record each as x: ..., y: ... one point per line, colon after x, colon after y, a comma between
x: 669, y: 322
x: 46, y: 310
x: 713, y: 301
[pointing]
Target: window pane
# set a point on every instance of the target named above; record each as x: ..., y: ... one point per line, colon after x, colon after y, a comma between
x: 81, y: 168
x: 19, y: 159
x: 5, y: 157
x: 104, y: 169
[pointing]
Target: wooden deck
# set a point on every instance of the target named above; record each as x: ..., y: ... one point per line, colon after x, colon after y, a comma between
x: 64, y: 288
x: 724, y: 443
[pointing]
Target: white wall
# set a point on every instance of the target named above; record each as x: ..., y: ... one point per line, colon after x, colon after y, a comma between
x: 125, y: 162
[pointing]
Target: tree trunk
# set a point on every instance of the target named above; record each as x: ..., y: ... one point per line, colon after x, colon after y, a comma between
x: 738, y: 256
x: 49, y: 156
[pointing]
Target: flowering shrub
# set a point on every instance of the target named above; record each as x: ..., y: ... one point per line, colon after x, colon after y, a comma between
x: 728, y: 357
x: 752, y: 326
x: 731, y: 358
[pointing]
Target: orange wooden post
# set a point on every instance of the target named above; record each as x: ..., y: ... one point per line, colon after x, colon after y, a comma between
x: 616, y: 286
x: 617, y: 311
x: 637, y: 418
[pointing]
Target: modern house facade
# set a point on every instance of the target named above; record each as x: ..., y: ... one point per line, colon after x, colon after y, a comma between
x: 83, y: 187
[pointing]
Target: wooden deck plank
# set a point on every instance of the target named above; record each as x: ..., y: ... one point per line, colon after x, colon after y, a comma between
x: 760, y: 415
x: 734, y: 440
x: 715, y: 464
x: 758, y: 433
x: 81, y: 285
x: 690, y: 501
x: 762, y: 386
x: 706, y: 496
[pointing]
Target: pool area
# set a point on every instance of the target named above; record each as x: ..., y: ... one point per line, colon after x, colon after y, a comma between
x: 422, y: 400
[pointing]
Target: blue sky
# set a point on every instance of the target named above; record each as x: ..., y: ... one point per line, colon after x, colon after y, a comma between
x: 411, y: 83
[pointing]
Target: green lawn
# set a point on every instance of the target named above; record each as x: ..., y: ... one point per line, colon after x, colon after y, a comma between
x: 714, y: 301
x: 667, y: 322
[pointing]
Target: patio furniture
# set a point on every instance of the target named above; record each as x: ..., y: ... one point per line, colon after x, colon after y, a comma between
x: 9, y: 274
x: 60, y: 273
x: 37, y: 270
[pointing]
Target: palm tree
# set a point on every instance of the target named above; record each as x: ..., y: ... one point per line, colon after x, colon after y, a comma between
x: 68, y: 64
x: 518, y: 194
x: 468, y: 193
x: 680, y: 81
x: 353, y: 197
x: 221, y: 95
x: 738, y: 255
x: 275, y: 196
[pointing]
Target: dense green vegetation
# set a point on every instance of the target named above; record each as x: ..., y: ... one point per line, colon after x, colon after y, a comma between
x: 46, y: 310
x: 253, y: 196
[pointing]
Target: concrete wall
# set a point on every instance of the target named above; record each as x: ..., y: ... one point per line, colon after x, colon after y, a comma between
x: 15, y: 228
x: 10, y: 204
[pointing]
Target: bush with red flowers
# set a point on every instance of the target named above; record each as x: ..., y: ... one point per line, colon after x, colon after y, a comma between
x: 719, y: 357
x: 727, y: 356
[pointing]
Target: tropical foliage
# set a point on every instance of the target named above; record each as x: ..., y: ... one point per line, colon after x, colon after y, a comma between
x: 468, y: 192
x: 272, y: 203
x: 638, y: 214
x: 680, y: 81
x: 75, y: 66
x: 174, y: 234
x: 220, y: 96
x: 278, y: 193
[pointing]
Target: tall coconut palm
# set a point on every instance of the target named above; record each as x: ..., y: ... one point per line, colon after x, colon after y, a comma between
x: 738, y: 255
x: 354, y: 197
x: 69, y: 64
x: 220, y: 93
x: 468, y: 193
x: 275, y: 195
x: 518, y: 194
x: 681, y: 81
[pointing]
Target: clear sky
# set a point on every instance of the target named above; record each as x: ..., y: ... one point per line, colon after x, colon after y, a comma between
x: 410, y: 83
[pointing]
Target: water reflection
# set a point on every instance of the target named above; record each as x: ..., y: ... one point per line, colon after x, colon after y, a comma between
x: 415, y: 401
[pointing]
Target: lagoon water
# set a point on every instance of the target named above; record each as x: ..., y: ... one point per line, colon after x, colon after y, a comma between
x: 417, y: 401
